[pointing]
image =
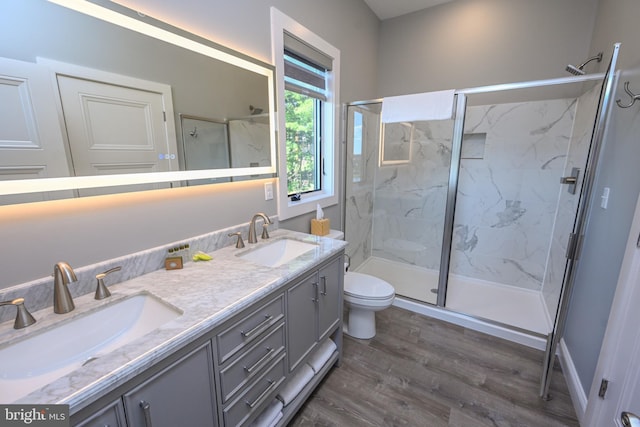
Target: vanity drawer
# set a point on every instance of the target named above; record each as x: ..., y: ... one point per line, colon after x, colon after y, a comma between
x: 252, y: 363
x: 262, y: 390
x: 249, y: 328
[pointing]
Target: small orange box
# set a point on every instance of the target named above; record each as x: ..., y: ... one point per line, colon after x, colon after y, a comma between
x: 173, y: 263
x: 320, y: 227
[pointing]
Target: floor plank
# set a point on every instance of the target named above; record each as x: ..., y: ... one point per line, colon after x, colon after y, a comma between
x: 419, y: 371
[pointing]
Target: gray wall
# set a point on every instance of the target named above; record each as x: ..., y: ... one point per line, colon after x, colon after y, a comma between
x: 608, y: 229
x: 83, y: 231
x: 468, y: 43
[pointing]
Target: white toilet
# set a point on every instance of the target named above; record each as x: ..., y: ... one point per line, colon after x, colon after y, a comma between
x: 363, y: 296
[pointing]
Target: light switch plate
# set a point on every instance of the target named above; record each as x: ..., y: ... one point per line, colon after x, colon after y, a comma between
x: 268, y: 191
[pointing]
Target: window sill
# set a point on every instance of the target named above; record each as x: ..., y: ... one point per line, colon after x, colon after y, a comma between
x: 288, y: 209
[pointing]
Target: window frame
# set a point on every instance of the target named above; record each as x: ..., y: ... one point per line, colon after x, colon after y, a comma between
x: 330, y: 136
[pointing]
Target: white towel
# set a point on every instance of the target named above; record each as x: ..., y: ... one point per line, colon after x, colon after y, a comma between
x: 418, y: 106
x: 321, y: 355
x: 269, y: 416
x: 295, y: 385
x: 276, y: 419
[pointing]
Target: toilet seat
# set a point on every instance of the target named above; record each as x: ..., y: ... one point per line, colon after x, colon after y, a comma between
x: 362, y: 286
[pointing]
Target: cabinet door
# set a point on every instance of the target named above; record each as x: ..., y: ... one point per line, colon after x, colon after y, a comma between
x: 330, y: 285
x: 180, y: 395
x: 111, y: 416
x: 302, y: 329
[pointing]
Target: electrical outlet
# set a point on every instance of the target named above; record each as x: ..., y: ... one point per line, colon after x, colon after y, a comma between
x: 268, y: 191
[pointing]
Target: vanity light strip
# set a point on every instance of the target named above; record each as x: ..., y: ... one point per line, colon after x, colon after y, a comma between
x: 66, y: 183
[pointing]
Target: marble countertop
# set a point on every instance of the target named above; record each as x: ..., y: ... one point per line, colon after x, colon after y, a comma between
x: 207, y: 292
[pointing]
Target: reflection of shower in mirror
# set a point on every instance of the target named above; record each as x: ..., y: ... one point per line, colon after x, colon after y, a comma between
x: 194, y: 132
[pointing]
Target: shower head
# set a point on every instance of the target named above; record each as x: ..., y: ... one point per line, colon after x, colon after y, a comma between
x: 578, y: 71
x: 574, y: 70
x: 255, y: 110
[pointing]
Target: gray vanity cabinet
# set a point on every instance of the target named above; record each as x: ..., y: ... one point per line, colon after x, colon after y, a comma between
x: 180, y: 395
x: 314, y: 308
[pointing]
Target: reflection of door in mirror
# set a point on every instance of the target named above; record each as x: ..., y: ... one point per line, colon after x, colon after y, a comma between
x: 114, y: 129
x: 31, y: 144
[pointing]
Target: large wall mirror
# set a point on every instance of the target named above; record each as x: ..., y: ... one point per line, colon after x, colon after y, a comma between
x: 96, y: 99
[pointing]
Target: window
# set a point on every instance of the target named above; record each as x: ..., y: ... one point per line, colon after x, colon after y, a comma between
x: 307, y: 84
x: 304, y: 96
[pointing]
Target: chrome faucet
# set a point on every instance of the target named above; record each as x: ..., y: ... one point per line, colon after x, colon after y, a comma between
x: 252, y: 227
x: 23, y: 317
x: 62, y: 301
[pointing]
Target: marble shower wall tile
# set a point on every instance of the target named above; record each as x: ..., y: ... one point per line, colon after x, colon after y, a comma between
x: 507, y: 200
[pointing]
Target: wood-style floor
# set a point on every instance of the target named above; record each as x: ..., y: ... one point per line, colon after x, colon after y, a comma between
x: 419, y: 371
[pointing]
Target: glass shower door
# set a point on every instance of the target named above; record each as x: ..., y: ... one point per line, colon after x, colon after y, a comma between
x: 396, y: 191
x: 512, y: 214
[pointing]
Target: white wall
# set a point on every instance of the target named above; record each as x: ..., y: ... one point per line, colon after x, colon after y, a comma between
x: 468, y: 43
x: 35, y: 236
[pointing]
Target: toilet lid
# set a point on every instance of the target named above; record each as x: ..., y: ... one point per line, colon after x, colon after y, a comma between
x: 360, y: 285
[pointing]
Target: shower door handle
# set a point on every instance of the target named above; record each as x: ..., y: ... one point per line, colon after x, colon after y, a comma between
x: 571, y: 180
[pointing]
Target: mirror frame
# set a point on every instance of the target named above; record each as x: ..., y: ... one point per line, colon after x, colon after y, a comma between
x: 127, y: 18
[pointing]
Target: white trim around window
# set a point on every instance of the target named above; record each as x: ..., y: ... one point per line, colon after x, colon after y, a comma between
x: 328, y: 196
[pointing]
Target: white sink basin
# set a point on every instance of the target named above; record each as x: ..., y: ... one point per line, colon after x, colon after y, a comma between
x: 278, y: 252
x: 37, y: 360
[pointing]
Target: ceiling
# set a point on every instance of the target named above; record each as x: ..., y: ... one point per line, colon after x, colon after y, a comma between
x: 386, y: 9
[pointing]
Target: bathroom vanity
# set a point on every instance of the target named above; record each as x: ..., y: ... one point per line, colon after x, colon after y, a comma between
x: 245, y: 330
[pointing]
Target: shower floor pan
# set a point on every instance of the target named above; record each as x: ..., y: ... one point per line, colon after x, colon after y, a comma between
x: 521, y: 308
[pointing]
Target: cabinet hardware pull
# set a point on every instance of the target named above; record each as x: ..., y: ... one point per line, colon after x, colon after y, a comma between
x: 261, y: 326
x: 316, y: 292
x: 324, y: 285
x: 146, y: 408
x: 263, y: 360
x: 262, y: 396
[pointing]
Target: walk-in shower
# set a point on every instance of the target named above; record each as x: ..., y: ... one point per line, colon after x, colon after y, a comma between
x: 472, y: 215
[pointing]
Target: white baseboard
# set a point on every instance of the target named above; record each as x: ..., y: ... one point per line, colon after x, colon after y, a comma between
x: 578, y: 396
